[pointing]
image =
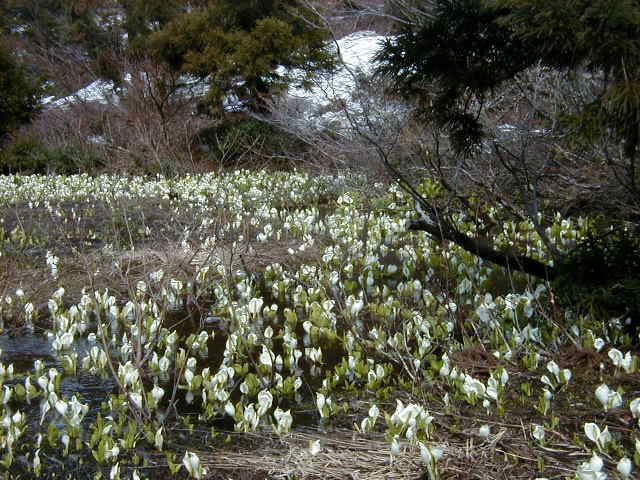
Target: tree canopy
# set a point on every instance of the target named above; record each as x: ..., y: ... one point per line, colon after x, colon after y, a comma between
x: 565, y: 75
x: 449, y: 54
x: 61, y: 37
x: 569, y: 72
x: 238, y: 44
x: 143, y: 17
x: 467, y: 48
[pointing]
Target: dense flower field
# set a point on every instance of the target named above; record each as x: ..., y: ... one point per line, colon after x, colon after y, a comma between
x: 292, y: 309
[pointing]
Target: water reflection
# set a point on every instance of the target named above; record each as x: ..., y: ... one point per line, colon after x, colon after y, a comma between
x: 23, y: 350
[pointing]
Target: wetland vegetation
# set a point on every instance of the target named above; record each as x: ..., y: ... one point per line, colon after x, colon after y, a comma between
x: 261, y: 325
x: 319, y: 239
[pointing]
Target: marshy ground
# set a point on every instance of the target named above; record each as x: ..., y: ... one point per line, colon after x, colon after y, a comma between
x: 296, y: 330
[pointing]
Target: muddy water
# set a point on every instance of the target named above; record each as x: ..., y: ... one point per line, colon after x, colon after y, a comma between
x: 23, y: 350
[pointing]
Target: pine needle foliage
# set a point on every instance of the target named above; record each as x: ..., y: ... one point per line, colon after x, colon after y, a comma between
x: 238, y: 45
x: 467, y: 48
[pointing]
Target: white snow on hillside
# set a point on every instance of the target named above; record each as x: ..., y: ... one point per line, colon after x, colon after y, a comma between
x: 105, y: 92
x: 101, y: 91
x: 356, y: 52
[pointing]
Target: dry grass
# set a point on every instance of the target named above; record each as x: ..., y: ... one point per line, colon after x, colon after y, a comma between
x: 507, y: 454
x: 343, y: 455
x: 115, y: 245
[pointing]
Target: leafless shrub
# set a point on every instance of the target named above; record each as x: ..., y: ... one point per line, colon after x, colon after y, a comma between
x: 147, y: 125
x: 346, y: 133
x: 534, y: 154
x: 348, y: 16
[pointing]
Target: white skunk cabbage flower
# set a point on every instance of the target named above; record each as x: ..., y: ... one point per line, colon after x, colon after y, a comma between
x: 284, y: 420
x: 157, y: 393
x: 538, y: 432
x: 395, y: 445
x: 136, y: 398
x: 115, y: 472
x: 321, y: 401
x: 61, y: 407
x: 158, y: 439
x: 634, y: 406
x: 597, y: 436
x: 265, y: 400
x: 314, y: 447
x: 621, y: 361
x: 591, y: 470
x: 192, y: 464
x: 266, y: 357
x: 609, y: 398
x: 255, y: 306
x: 430, y: 454
x: 624, y: 467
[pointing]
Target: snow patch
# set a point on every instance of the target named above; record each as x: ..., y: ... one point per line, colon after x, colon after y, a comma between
x: 101, y: 91
x: 356, y: 51
x: 19, y: 29
x: 317, y: 103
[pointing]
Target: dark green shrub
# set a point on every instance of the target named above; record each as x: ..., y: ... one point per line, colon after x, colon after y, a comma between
x: 19, y: 94
x: 247, y: 140
x: 601, y: 276
x: 107, y: 67
x: 27, y: 155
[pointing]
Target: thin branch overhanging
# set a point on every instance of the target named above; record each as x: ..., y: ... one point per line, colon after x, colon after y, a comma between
x: 431, y: 221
